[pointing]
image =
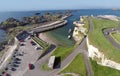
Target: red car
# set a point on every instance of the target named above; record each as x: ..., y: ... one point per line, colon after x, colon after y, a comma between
x: 32, y: 42
x: 5, y: 74
x: 29, y: 66
x: 22, y: 41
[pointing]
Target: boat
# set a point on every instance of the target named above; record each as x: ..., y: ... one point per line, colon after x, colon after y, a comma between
x: 37, y: 13
x: 69, y: 36
x: 69, y: 30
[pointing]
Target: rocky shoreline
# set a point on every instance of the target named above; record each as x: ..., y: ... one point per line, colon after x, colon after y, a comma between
x: 79, y: 30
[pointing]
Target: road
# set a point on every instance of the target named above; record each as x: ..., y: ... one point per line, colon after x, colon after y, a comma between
x: 108, y: 36
x: 8, y: 54
x: 90, y: 24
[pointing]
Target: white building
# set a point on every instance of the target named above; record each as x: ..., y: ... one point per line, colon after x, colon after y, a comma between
x: 51, y: 62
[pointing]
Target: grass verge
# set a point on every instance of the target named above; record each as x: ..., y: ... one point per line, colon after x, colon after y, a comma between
x: 103, y: 71
x: 86, y: 24
x: 77, y: 66
x: 40, y: 42
x: 45, y: 67
x: 63, y: 52
x: 116, y: 36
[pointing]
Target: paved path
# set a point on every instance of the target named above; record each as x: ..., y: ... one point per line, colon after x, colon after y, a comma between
x: 91, y: 24
x: 8, y: 54
x: 73, y: 74
x: 108, y: 36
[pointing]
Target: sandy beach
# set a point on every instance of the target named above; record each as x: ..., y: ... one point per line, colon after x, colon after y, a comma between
x: 47, y: 38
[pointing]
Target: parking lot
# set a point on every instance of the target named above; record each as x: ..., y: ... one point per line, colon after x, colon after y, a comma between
x: 28, y: 52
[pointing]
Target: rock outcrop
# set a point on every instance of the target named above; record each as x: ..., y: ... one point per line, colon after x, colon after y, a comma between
x: 10, y: 23
x: 79, y: 30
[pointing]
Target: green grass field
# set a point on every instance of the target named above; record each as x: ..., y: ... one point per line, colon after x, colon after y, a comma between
x: 45, y: 67
x: 97, y: 39
x: 63, y: 52
x: 77, y: 66
x: 86, y: 24
x: 103, y: 71
x: 116, y: 36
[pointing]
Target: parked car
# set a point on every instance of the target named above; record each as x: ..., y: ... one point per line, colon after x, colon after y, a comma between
x: 13, y: 69
x: 32, y: 42
x: 113, y: 29
x: 106, y: 33
x: 37, y: 48
x: 22, y: 41
x: 22, y: 44
x: 30, y: 66
x: 5, y: 74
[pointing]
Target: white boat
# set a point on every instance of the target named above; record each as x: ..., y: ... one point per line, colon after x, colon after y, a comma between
x: 69, y: 30
x: 69, y: 36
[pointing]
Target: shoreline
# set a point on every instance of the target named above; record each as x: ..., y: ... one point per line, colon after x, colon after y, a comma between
x: 47, y: 38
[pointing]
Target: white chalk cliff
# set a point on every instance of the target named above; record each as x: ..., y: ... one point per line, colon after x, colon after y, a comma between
x: 94, y: 52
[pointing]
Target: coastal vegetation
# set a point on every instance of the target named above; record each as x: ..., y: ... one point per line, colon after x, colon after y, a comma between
x: 86, y: 24
x: 42, y: 43
x: 99, y: 70
x: 77, y: 66
x: 45, y: 67
x: 10, y: 22
x: 97, y: 38
x: 116, y: 36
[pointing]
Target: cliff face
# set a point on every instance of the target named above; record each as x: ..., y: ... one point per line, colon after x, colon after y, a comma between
x: 95, y: 54
x: 77, y: 35
x: 79, y: 30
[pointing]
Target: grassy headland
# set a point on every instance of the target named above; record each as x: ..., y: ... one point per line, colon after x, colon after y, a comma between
x: 96, y: 38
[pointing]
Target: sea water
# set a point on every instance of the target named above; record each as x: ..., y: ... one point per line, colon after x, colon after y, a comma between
x: 62, y: 33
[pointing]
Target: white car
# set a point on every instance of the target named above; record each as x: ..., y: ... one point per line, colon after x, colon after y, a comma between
x: 37, y: 48
x: 106, y: 33
x: 113, y: 29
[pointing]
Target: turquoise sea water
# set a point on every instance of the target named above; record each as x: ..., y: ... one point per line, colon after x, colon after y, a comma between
x: 61, y: 33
